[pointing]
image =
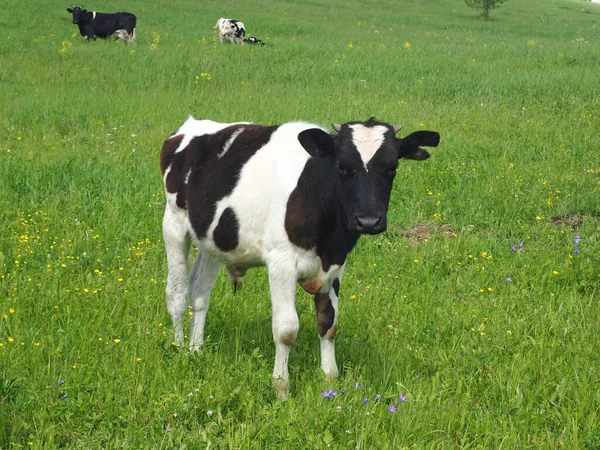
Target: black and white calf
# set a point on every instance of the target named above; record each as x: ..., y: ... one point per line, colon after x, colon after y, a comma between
x: 230, y: 30
x: 93, y: 24
x: 293, y: 198
x: 253, y: 40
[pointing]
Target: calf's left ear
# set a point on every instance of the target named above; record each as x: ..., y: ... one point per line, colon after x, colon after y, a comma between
x: 317, y: 142
x: 410, y: 145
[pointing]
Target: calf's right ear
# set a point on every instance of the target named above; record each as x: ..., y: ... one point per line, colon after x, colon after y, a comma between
x: 69, y: 10
x: 317, y: 142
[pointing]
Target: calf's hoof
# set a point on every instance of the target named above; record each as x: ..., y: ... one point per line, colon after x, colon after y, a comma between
x: 194, y: 348
x: 331, y: 372
x: 282, y: 389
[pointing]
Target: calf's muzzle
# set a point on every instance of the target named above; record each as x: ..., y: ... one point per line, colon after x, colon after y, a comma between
x: 369, y: 224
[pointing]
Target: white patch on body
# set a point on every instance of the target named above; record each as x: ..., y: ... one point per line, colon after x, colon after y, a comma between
x: 367, y: 140
x: 259, y: 200
x: 193, y: 128
x: 123, y: 35
x: 227, y: 145
x: 167, y: 171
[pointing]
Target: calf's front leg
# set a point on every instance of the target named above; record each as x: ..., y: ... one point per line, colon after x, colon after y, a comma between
x: 282, y: 281
x: 326, y: 306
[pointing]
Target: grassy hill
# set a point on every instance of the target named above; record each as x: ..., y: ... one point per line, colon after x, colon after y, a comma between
x: 479, y: 305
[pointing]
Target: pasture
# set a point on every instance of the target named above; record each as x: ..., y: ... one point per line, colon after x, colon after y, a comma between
x: 472, y: 322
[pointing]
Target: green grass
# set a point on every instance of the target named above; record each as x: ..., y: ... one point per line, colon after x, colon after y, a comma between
x: 425, y: 308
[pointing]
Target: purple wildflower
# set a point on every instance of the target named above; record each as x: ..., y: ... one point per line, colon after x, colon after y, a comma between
x: 378, y: 397
x: 61, y: 382
x: 521, y: 245
x: 392, y: 408
x: 365, y: 400
x: 329, y: 394
x: 64, y: 397
x: 513, y: 249
x: 508, y: 279
x: 576, y: 239
x: 576, y: 250
x: 402, y: 399
x: 356, y: 385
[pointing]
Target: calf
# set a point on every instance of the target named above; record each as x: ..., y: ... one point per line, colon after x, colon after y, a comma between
x: 292, y: 198
x: 253, y: 40
x: 93, y: 24
x: 230, y: 30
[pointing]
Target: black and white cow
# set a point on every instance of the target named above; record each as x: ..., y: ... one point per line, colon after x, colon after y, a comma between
x: 292, y: 198
x: 230, y: 30
x: 253, y: 40
x: 93, y: 24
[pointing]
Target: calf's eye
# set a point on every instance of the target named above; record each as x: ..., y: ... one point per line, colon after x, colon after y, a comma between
x: 344, y: 170
x: 390, y: 171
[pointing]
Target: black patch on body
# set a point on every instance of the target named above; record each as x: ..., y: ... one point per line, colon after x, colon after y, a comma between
x: 212, y: 178
x: 226, y: 233
x: 336, y: 287
x: 325, y: 313
x: 313, y: 216
x: 168, y: 152
x: 177, y: 162
x: 240, y: 32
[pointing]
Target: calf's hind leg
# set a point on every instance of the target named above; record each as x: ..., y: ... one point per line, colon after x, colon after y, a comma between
x: 202, y: 279
x: 177, y: 244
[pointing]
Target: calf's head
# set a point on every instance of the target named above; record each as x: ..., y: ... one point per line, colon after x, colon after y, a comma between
x: 364, y: 157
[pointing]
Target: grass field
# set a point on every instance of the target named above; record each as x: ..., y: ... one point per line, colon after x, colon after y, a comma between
x: 476, y: 315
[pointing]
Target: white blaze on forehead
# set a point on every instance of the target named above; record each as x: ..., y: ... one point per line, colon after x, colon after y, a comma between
x: 367, y: 140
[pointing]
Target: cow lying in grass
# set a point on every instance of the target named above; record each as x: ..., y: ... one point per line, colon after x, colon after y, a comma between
x: 292, y: 198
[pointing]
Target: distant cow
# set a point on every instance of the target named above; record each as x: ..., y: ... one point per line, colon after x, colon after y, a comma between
x: 230, y: 30
x: 291, y: 197
x: 93, y: 24
x: 253, y: 40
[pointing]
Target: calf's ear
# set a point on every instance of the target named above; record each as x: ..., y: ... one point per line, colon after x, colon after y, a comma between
x: 69, y: 10
x: 317, y: 142
x: 410, y: 145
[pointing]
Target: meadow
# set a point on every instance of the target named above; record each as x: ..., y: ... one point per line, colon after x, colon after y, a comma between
x: 472, y: 322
